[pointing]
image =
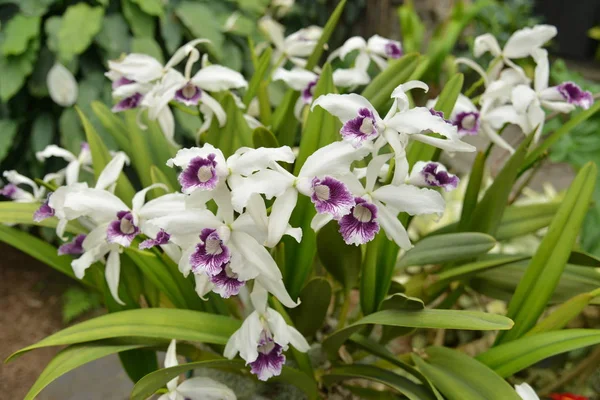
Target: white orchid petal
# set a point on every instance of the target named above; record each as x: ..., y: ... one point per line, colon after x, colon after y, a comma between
x: 202, y: 388
x: 112, y: 272
x: 353, y: 43
x: 526, y: 392
x: 484, y: 43
x: 138, y: 67
x: 411, y: 199
x: 62, y: 85
x: 524, y: 41
x: 281, y: 213
x: 247, y: 161
x: 297, y: 78
x: 350, y: 77
x: 215, y: 107
x: 277, y: 289
x: 344, y: 106
x: 215, y: 78
x: 333, y: 159
x: 392, y: 227
x: 255, y: 254
x: 112, y: 170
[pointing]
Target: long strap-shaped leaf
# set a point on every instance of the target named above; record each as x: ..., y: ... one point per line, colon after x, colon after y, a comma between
x: 12, y: 213
x: 546, y: 267
x: 509, y: 358
x: 154, y: 381
x: 460, y: 377
x: 442, y: 319
x: 164, y: 323
x: 73, y: 357
x: 412, y: 390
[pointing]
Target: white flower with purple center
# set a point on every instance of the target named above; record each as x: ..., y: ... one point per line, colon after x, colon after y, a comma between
x: 360, y: 225
x: 467, y: 123
x: 74, y: 247
x: 332, y: 160
x: 432, y: 174
x: 75, y: 162
x: 294, y: 48
x: 226, y: 283
x: 376, y: 49
x: 122, y: 230
x: 263, y: 337
x: 301, y: 80
x: 362, y: 127
x: 211, y: 254
x: 331, y: 196
x: 199, y: 174
x: 37, y: 193
x: 573, y: 94
x: 198, y: 388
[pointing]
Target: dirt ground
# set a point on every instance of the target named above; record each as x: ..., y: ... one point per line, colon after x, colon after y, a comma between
x: 30, y: 309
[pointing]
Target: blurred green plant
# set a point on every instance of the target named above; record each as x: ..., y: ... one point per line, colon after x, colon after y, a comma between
x: 76, y: 301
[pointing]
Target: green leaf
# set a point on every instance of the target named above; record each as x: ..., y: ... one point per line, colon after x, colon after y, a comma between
x: 446, y: 248
x: 380, y: 89
x: 101, y: 157
x: 141, y: 158
x: 34, y: 7
x: 411, y: 390
x: 399, y: 301
x: 510, y: 358
x: 411, y: 26
x: 460, y: 377
x: 260, y: 70
x: 156, y: 380
x: 147, y: 45
x: 15, y: 69
x: 141, y: 24
x: 37, y: 81
x: 171, y: 32
x: 541, y: 150
x: 545, y: 269
x: 199, y: 19
x: 74, y: 357
x: 472, y: 192
x: 523, y: 220
x: 262, y: 137
x: 152, y: 7
x: 113, y: 125
x: 440, y: 319
x: 342, y: 261
x: 8, y: 129
x: 313, y: 59
x: 157, y: 176
x: 12, y: 213
x: 161, y: 149
x: 42, y: 132
x: 487, y: 214
x: 114, y: 35
x: 584, y: 259
x: 163, y: 323
x: 308, y: 317
x: 567, y: 311
x: 18, y: 31
x: 79, y: 24
x: 42, y: 251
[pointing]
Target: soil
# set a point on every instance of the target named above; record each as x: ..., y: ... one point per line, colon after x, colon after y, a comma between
x: 30, y: 309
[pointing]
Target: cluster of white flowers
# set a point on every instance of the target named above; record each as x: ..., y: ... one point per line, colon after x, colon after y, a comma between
x: 219, y: 228
x: 510, y: 96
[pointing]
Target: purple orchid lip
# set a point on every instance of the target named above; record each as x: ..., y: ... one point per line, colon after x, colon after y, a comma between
x: 128, y: 103
x: 189, y: 94
x: 122, y: 81
x: 199, y: 174
x: 45, y: 211
x: 270, y: 359
x: 573, y: 94
x: 392, y: 50
x: 74, y: 247
x: 361, y: 128
x: 211, y: 254
x: 162, y: 237
x: 437, y: 177
x: 122, y: 231
x: 360, y: 225
x: 226, y: 282
x: 467, y: 123
x: 9, y: 191
x: 331, y: 196
x: 307, y: 93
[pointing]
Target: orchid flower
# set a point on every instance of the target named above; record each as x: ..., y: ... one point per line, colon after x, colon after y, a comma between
x: 75, y: 163
x: 295, y: 47
x: 376, y: 49
x: 198, y: 388
x: 375, y: 207
x: 301, y: 80
x: 316, y: 179
x: 526, y: 392
x: 521, y: 44
x: 62, y: 86
x: 263, y: 337
x: 562, y: 98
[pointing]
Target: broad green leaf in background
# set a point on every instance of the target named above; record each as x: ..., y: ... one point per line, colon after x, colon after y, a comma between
x: 341, y: 260
x: 44, y: 252
x: 8, y: 129
x: 309, y: 316
x: 71, y: 132
x: 510, y: 358
x: 157, y: 176
x: 42, y: 132
x: 140, y: 156
x: 487, y: 215
x: 37, y: 81
x: 472, y: 191
x: 410, y: 389
x: 101, y: 157
x: 313, y: 59
x: 441, y: 319
x: 200, y: 20
x: 147, y: 45
x: 411, y: 26
x: 22, y: 213
x: 156, y: 380
x: 74, y: 357
x: 79, y: 24
x: 546, y: 267
x: 446, y: 248
x: 161, y: 149
x: 163, y: 323
x: 460, y: 377
x: 263, y: 63
x: 398, y: 301
x: 522, y: 220
x: 152, y: 7
x: 114, y: 36
x: 567, y: 311
x: 171, y: 31
x: 262, y: 137
x: 114, y: 125
x: 141, y: 24
x: 15, y: 69
x: 18, y: 31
